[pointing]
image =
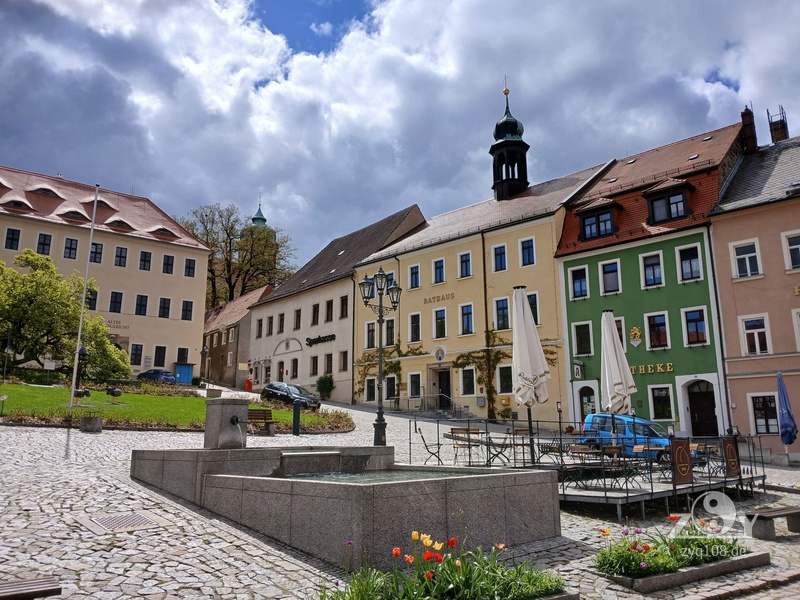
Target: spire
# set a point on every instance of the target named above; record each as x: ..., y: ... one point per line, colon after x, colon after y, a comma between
x: 259, y: 220
x: 510, y: 165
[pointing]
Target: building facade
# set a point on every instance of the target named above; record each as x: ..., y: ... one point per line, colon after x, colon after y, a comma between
x: 150, y: 272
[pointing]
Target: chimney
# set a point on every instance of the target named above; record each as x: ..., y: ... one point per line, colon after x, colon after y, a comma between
x: 749, y: 131
x: 778, y: 127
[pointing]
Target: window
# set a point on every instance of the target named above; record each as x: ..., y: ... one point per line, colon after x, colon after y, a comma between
x: 579, y: 286
x: 120, y: 257
x: 533, y: 302
x: 651, y: 270
x: 144, y: 260
x: 499, y: 258
x: 609, y: 278
x: 163, y: 308
x: 230, y: 360
x: 370, y: 337
x: 501, y: 314
x: 694, y: 320
x: 12, y: 239
x: 96, y: 253
x: 796, y: 321
x: 765, y: 414
x: 214, y: 343
x: 527, y: 252
x: 269, y: 325
x: 115, y: 304
x: 505, y: 382
x: 465, y: 264
x: 689, y: 264
x: 391, y: 388
x: 466, y: 319
x: 295, y: 367
x: 43, y: 245
x: 297, y: 318
x: 791, y: 249
x: 328, y: 311
x: 71, y: 248
x: 667, y: 208
x: 315, y: 314
x: 343, y: 362
x: 755, y: 335
x: 660, y: 404
x: 414, y: 328
x: 188, y: 267
x: 168, y: 264
x: 328, y: 363
x: 597, y: 225
x: 186, y: 310
x: 280, y: 323
x: 136, y: 354
x: 657, y: 331
x: 160, y: 358
x: 438, y: 271
x: 746, y: 260
x: 369, y: 390
x: 414, y: 385
x: 413, y: 277
x: 468, y: 382
x: 439, y: 323
x: 141, y: 305
x: 183, y: 355
x: 231, y: 334
x: 389, y: 341
x: 92, y: 300
x: 582, y: 339
x: 259, y: 327
x: 344, y: 303
x: 314, y: 369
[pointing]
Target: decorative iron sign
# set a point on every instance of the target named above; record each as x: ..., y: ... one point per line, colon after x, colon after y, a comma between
x: 730, y: 450
x: 320, y: 339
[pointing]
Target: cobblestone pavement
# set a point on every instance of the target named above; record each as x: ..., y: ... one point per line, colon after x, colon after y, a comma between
x: 52, y: 479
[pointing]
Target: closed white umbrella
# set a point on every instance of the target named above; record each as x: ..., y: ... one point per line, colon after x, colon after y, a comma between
x: 528, y: 363
x: 616, y: 381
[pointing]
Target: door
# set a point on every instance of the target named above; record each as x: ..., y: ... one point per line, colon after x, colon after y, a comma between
x: 391, y: 393
x: 444, y: 389
x: 280, y: 371
x: 702, y: 409
x: 587, y: 402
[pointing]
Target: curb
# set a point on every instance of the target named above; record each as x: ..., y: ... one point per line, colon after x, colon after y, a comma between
x: 747, y: 588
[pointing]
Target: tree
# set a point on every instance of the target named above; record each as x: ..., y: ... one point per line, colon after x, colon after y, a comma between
x: 39, y: 315
x: 244, y: 257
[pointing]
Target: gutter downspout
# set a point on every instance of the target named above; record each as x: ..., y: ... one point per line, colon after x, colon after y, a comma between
x: 353, y: 341
x: 486, y: 319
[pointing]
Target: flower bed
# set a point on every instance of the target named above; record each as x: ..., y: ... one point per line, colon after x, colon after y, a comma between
x: 436, y: 569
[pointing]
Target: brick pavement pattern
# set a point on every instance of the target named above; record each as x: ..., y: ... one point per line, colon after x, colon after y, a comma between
x: 53, y: 481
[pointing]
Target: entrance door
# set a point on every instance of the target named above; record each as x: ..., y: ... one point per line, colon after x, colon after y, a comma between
x: 444, y: 389
x: 391, y: 393
x: 280, y: 371
x: 587, y: 402
x: 703, y: 409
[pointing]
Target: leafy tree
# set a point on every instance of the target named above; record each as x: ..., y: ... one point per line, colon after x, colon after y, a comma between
x: 485, y: 361
x: 325, y: 386
x: 39, y: 315
x: 243, y: 256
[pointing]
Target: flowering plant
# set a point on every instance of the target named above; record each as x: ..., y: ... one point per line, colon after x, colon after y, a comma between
x: 636, y: 553
x: 444, y: 569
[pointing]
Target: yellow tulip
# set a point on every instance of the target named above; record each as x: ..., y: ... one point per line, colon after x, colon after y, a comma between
x: 438, y: 546
x: 415, y: 535
x: 427, y: 541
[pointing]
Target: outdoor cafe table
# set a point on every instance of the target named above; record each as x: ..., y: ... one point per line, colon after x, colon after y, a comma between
x: 488, y: 448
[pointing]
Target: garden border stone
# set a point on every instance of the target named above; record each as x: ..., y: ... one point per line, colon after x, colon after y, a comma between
x: 653, y: 583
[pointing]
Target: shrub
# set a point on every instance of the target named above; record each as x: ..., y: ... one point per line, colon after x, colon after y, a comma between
x: 325, y: 386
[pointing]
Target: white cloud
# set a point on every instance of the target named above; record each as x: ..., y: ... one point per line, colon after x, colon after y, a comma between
x: 322, y: 29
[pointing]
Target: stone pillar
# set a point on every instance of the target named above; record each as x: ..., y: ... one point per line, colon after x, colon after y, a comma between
x: 221, y: 432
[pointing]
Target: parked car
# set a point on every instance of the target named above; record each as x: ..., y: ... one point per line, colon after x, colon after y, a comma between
x: 287, y: 392
x: 631, y: 431
x: 157, y: 375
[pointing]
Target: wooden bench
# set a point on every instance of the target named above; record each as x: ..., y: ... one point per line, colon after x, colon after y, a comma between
x: 262, y: 418
x: 38, y: 587
x: 762, y: 522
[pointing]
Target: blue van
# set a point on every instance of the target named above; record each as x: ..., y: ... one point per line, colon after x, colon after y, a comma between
x: 631, y: 431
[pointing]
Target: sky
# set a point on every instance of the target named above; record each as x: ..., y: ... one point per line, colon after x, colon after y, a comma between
x: 337, y: 113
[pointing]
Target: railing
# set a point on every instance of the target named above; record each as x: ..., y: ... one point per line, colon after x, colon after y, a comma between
x: 422, y: 404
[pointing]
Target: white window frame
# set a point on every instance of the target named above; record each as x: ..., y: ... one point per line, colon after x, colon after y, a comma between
x: 497, y: 380
x: 374, y: 382
x: 732, y: 247
x: 505, y: 252
x: 684, y: 329
x: 574, y: 327
x: 474, y: 382
x: 458, y: 265
x: 600, y: 265
x: 230, y: 335
x: 743, y: 333
x: 433, y: 271
x: 494, y: 312
x: 650, y: 389
x: 433, y: 323
x: 679, y: 271
x: 230, y: 359
x: 643, y: 278
x: 418, y: 375
x: 572, y: 287
x: 419, y: 277
x: 214, y: 343
x: 624, y: 339
x: 461, y: 320
x: 752, y: 414
x: 787, y: 257
x: 647, y: 316
x: 366, y: 335
x: 796, y: 322
x: 410, y: 341
x: 531, y: 238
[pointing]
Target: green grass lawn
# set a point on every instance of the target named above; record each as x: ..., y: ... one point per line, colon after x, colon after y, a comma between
x: 52, y: 404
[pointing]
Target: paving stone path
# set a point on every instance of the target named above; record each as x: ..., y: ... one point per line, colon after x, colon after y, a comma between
x: 53, y: 481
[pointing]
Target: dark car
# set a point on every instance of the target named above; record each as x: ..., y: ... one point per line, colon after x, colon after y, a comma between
x: 157, y: 375
x: 287, y: 392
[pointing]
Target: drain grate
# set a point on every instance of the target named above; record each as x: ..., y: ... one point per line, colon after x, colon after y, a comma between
x: 119, y: 522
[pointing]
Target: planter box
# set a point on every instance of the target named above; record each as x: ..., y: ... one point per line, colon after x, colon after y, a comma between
x: 645, y: 585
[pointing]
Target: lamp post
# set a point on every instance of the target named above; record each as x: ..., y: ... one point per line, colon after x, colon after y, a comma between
x: 369, y: 288
x: 204, y: 353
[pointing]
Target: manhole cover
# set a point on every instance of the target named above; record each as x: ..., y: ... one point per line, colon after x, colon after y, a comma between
x: 119, y: 522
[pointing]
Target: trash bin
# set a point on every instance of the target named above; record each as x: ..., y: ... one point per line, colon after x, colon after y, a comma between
x: 248, y: 385
x: 91, y: 422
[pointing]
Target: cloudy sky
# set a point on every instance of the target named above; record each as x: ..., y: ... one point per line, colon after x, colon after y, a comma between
x: 337, y: 113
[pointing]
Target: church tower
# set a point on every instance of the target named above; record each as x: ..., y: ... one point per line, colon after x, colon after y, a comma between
x: 509, y: 153
x: 259, y: 220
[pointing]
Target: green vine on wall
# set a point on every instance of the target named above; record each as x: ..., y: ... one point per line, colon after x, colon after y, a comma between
x: 485, y: 362
x: 367, y: 365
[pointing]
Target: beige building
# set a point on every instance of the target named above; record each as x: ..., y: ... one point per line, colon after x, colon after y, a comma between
x: 151, y: 273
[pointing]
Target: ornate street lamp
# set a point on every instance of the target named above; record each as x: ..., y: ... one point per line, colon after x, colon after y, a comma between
x: 369, y: 288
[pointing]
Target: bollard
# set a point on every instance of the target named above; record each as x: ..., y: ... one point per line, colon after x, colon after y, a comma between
x: 296, y: 418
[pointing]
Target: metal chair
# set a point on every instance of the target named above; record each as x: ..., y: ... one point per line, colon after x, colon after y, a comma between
x: 433, y: 450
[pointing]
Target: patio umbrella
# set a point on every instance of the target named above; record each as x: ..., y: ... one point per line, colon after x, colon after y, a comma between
x: 529, y: 367
x: 616, y: 381
x: 786, y: 421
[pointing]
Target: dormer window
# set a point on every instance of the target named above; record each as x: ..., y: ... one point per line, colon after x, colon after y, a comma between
x: 668, y: 208
x: 597, y: 224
